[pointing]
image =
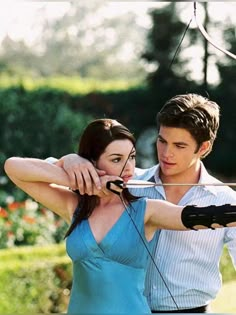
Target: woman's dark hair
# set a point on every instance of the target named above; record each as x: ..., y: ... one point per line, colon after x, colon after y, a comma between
x: 93, y: 142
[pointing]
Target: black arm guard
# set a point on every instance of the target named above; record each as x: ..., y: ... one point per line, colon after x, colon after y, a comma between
x: 206, y: 216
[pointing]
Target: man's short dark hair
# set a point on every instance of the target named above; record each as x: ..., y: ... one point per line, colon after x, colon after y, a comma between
x: 193, y: 112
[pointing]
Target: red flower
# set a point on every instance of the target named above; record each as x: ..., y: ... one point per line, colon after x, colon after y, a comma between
x: 43, y: 211
x: 15, y: 205
x: 3, y: 213
x: 28, y: 219
x: 10, y: 234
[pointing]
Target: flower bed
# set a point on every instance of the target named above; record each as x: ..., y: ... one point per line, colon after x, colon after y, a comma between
x: 28, y: 223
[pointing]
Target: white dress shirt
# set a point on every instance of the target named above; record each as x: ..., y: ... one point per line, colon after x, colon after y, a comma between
x: 188, y: 261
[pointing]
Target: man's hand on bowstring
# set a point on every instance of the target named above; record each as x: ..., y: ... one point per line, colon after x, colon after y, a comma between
x: 82, y: 174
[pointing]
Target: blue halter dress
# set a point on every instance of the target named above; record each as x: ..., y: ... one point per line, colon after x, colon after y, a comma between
x: 108, y: 277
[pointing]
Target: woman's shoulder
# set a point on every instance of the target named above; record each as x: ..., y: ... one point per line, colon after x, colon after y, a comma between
x: 140, y: 204
x: 141, y: 200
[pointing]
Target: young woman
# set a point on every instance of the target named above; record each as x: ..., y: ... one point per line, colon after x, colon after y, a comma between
x: 110, y: 236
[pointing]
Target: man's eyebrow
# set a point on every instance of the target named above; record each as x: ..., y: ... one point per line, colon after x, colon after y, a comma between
x: 178, y: 142
x: 159, y: 136
x: 181, y: 143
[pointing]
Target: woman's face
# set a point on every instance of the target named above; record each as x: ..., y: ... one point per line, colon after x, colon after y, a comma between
x: 118, y: 154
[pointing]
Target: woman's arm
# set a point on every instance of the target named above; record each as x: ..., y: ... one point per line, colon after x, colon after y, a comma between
x: 162, y: 214
x: 165, y: 215
x: 44, y: 182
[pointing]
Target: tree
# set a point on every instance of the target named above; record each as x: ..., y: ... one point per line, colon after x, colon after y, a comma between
x: 167, y: 80
x: 87, y: 41
x: 225, y: 94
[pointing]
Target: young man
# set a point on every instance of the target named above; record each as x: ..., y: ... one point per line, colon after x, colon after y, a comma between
x: 188, y: 262
x: 188, y: 276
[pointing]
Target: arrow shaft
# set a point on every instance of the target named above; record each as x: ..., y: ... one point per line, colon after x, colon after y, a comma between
x: 149, y: 184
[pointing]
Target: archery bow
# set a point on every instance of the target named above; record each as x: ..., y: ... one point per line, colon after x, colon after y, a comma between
x: 207, y: 37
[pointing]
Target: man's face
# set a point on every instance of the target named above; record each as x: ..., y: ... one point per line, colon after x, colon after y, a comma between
x: 176, y: 150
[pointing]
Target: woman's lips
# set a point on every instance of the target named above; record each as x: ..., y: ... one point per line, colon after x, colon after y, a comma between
x: 126, y: 178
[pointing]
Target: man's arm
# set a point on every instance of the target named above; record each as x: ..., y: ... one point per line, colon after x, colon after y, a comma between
x: 81, y: 172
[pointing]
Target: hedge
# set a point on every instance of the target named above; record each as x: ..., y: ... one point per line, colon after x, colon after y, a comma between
x: 38, y: 279
x: 49, y: 121
x: 34, y: 280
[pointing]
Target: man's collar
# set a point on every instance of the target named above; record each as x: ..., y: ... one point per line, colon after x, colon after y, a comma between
x: 205, y: 177
x: 157, y: 175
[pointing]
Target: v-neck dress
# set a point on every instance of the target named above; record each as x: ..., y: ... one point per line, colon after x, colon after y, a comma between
x: 108, y: 277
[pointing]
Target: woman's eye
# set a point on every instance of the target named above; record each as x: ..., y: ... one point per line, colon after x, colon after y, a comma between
x: 133, y: 156
x: 116, y: 160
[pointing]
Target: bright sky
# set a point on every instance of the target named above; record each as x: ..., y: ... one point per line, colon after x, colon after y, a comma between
x: 17, y: 18
x: 21, y: 19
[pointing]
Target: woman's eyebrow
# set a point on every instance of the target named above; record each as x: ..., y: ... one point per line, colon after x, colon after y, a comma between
x: 120, y: 154
x: 116, y: 154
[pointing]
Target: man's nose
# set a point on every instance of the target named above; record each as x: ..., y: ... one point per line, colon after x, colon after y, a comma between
x: 168, y: 152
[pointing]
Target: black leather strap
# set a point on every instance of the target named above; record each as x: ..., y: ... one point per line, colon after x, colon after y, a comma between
x: 206, y: 216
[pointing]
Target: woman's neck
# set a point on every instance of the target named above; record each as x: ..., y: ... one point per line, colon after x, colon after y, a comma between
x: 108, y: 200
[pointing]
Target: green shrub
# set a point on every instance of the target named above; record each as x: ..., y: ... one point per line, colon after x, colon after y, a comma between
x: 38, y: 279
x: 226, y: 267
x: 32, y: 253
x: 34, y: 280
x: 38, y: 123
x: 72, y: 84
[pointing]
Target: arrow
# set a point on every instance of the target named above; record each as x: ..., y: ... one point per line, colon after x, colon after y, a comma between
x: 145, y: 184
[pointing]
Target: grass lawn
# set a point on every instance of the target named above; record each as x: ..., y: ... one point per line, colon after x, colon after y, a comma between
x: 226, y: 299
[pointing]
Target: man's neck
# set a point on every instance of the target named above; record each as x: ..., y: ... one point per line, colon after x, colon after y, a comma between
x: 175, y: 193
x: 191, y: 175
